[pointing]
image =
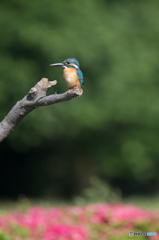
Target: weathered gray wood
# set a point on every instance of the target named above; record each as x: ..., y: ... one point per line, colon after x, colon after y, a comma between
x: 36, y: 97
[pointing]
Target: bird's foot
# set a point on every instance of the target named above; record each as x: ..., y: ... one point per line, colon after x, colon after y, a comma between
x: 57, y: 92
x: 72, y: 89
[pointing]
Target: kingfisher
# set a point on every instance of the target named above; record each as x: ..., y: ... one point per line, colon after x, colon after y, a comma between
x: 71, y: 73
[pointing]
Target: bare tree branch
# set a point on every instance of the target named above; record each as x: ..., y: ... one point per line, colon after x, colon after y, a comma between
x: 36, y: 97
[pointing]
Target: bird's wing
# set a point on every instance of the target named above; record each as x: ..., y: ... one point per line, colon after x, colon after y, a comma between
x: 80, y: 77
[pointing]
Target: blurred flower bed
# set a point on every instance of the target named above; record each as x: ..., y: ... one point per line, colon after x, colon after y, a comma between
x: 93, y: 221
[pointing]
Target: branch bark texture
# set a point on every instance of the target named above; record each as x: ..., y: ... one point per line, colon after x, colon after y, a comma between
x: 36, y: 97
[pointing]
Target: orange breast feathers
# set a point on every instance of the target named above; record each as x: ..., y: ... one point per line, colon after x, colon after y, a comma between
x: 71, y: 78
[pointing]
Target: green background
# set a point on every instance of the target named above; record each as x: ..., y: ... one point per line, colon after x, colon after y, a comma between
x: 112, y: 131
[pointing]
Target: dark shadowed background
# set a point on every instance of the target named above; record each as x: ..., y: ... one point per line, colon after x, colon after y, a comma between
x: 112, y: 131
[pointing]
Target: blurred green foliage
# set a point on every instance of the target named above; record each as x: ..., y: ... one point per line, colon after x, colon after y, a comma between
x: 98, y: 191
x: 112, y: 130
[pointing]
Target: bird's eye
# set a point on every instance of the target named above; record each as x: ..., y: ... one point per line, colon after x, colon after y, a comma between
x: 67, y: 62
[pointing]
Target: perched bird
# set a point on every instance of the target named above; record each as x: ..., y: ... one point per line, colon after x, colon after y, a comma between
x: 71, y: 73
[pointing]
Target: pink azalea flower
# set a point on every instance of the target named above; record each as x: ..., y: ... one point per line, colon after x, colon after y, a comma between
x: 129, y: 214
x: 65, y: 232
x: 101, y: 221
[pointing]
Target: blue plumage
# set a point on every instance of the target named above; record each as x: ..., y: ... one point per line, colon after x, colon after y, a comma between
x: 80, y: 77
x: 72, y: 60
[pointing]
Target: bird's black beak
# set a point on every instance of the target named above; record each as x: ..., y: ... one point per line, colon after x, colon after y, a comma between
x: 57, y: 64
